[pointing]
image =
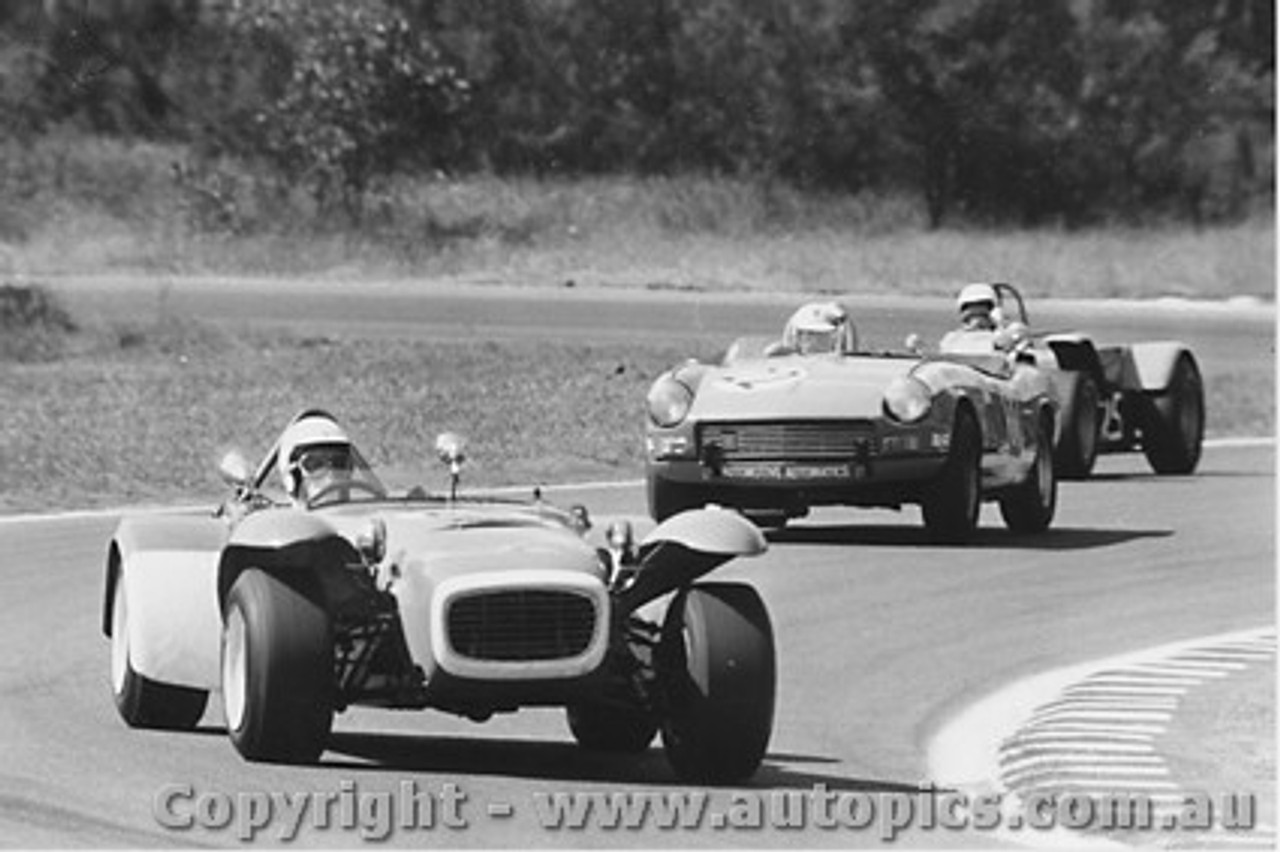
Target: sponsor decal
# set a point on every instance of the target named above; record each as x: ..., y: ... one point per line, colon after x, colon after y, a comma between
x: 785, y: 471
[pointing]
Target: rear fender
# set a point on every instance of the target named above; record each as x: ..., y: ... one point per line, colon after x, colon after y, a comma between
x: 1154, y: 362
x: 303, y: 550
x: 685, y: 547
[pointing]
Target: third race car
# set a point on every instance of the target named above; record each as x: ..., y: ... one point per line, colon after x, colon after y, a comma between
x: 1147, y: 395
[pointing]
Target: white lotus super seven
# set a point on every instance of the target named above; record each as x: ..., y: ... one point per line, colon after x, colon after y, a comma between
x: 312, y: 589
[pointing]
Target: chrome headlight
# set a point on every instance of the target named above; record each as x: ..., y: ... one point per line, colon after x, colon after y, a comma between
x: 669, y: 401
x: 907, y: 400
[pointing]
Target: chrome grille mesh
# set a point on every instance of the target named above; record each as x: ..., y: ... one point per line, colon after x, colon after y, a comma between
x: 521, y: 625
x: 834, y: 439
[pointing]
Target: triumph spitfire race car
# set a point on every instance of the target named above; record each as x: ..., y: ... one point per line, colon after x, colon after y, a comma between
x: 780, y: 426
x: 1147, y: 396
x: 295, y: 604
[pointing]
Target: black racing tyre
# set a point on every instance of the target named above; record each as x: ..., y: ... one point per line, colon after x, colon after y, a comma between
x: 1029, y: 506
x: 1173, y: 421
x: 717, y: 670
x: 142, y: 702
x: 671, y: 498
x: 277, y: 670
x: 951, y: 503
x: 611, y: 728
x: 1077, y: 449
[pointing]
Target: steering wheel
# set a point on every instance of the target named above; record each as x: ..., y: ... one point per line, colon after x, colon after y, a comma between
x: 334, y: 487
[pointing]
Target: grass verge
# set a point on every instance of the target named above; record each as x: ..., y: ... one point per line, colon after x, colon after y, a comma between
x: 140, y: 413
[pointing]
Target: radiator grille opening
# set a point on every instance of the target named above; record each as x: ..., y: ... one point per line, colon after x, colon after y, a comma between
x: 835, y: 439
x: 521, y: 625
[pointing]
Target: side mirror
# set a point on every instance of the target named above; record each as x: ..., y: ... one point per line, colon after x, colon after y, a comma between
x: 234, y: 469
x: 451, y: 449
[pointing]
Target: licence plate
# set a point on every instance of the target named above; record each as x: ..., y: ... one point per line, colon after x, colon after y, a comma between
x: 779, y: 471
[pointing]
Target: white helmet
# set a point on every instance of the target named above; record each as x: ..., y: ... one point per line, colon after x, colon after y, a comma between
x: 309, y: 429
x: 973, y: 294
x: 819, y: 326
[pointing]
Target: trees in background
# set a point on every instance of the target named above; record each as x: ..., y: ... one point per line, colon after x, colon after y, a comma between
x: 1021, y: 111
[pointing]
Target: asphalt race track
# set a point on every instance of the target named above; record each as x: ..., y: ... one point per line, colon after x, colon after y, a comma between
x: 881, y: 638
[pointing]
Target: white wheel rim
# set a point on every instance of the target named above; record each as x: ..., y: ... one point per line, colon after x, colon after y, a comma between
x: 234, y: 669
x: 119, y: 638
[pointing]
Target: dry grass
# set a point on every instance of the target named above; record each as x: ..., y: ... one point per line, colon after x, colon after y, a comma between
x: 140, y: 413
x: 80, y: 206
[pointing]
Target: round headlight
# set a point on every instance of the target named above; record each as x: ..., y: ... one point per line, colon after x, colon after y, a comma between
x: 907, y: 400
x: 669, y: 401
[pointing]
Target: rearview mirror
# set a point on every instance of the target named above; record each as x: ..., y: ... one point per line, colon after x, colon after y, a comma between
x: 234, y: 469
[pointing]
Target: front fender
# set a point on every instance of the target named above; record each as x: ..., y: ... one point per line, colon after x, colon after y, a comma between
x: 1075, y: 353
x: 168, y: 568
x: 685, y: 547
x: 165, y: 533
x: 282, y: 542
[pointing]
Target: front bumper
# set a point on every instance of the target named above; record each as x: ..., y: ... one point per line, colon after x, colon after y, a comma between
x: 795, y: 464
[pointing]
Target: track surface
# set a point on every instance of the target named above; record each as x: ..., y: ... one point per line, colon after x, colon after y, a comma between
x: 1226, y: 337
x: 881, y: 636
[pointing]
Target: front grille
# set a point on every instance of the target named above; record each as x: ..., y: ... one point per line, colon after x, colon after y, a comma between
x: 521, y: 625
x: 832, y: 439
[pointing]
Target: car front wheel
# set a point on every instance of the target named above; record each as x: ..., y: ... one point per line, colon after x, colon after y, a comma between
x: 1173, y: 421
x: 1029, y: 506
x: 277, y: 664
x: 717, y: 668
x: 1077, y: 450
x: 952, y: 502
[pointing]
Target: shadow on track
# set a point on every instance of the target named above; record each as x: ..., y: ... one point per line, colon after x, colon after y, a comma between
x: 903, y: 536
x: 562, y: 761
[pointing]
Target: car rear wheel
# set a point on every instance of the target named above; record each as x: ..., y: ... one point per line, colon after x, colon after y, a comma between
x: 717, y: 669
x: 1029, y: 506
x: 611, y: 728
x: 952, y: 501
x: 142, y: 702
x: 671, y: 498
x: 1077, y: 448
x: 277, y: 670
x: 1173, y: 421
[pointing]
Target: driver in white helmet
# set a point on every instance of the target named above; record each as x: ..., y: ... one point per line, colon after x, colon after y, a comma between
x: 980, y: 318
x: 979, y: 308
x: 819, y: 328
x: 316, y: 457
